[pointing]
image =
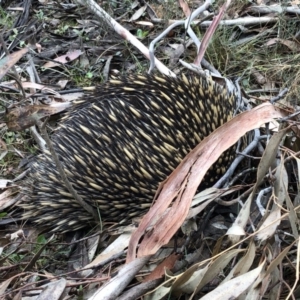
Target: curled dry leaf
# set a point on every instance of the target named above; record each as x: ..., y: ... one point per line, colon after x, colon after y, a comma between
x: 10, y: 60
x: 205, y: 197
x: 293, y: 46
x: 182, y: 184
x: 185, y: 8
x: 4, y: 285
x: 168, y: 263
x: 234, y: 287
x: 7, y: 199
x: 282, y: 196
x: 70, y: 56
x: 145, y: 23
x: 4, y: 182
x: 244, y: 264
x: 269, y: 226
x: 138, y: 13
x: 190, y: 281
x: 3, y: 152
x: 293, y: 218
x: 53, y: 290
x: 118, y: 245
x: 217, y: 266
x: 196, y: 277
x: 269, y: 155
x: 33, y: 85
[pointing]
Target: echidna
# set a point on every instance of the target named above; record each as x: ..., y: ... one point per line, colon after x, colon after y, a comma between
x: 119, y: 143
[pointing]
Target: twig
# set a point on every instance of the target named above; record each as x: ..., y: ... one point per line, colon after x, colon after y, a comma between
x: 258, y: 200
x: 187, y: 23
x: 236, y: 162
x: 279, y: 96
x: 279, y: 9
x: 139, y: 290
x: 243, y: 21
x: 104, y: 16
x: 152, y: 44
x: 209, y: 33
x: 241, y: 174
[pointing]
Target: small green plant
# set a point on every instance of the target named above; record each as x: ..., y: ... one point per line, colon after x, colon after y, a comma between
x: 80, y: 293
x: 40, y: 15
x: 89, y: 75
x: 62, y: 29
x: 5, y: 18
x: 9, y: 137
x: 22, y: 44
x: 141, y: 33
x: 16, y: 258
x: 14, y: 35
x: 2, y: 215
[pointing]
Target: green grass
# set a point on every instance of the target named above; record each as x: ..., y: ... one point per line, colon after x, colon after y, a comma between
x: 5, y: 19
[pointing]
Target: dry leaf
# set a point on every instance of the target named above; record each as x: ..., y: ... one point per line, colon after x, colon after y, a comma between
x: 138, y: 13
x: 159, y: 271
x: 293, y: 46
x: 269, y: 226
x: 10, y: 60
x: 70, y: 56
x: 185, y: 8
x: 234, y: 287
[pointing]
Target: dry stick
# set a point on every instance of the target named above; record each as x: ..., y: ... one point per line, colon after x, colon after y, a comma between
x: 274, y: 9
x: 209, y: 33
x: 241, y: 174
x: 246, y: 21
x: 141, y: 289
x: 187, y: 24
x: 190, y: 32
x: 118, y: 28
x: 62, y: 173
x: 238, y: 159
x: 279, y: 96
x: 115, y: 286
x: 33, y: 75
x: 158, y: 38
